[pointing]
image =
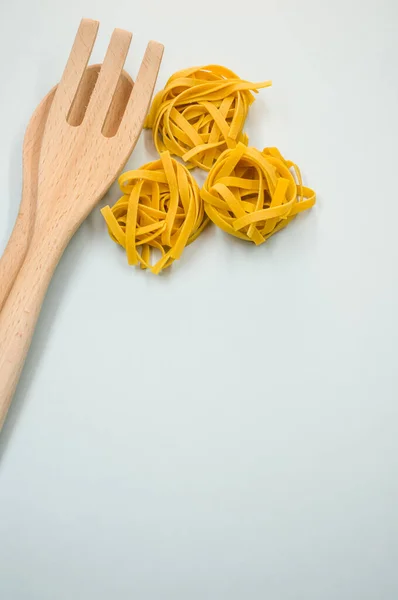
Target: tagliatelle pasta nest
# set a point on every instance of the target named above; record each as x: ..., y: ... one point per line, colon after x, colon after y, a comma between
x: 161, y: 209
x: 252, y: 194
x: 200, y: 113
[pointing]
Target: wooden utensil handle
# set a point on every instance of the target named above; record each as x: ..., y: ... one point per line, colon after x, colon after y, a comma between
x: 20, y: 313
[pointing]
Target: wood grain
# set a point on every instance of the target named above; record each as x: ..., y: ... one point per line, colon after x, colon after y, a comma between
x: 18, y: 244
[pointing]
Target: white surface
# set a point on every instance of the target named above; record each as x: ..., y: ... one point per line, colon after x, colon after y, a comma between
x: 228, y: 430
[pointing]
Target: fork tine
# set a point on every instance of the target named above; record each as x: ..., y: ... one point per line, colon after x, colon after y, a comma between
x: 76, y: 66
x: 138, y: 104
x: 109, y: 76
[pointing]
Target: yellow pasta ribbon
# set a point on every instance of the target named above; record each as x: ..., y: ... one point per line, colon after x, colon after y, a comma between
x: 161, y: 209
x: 200, y: 113
x: 252, y: 194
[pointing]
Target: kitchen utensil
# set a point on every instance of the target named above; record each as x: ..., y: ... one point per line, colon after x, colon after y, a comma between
x: 77, y: 165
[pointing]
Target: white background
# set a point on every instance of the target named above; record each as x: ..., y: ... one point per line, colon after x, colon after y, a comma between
x: 228, y: 430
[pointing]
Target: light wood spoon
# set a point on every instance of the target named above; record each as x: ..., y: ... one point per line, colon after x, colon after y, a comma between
x: 77, y: 165
x: 18, y: 244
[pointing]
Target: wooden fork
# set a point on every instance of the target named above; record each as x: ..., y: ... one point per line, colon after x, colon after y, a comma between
x: 77, y: 165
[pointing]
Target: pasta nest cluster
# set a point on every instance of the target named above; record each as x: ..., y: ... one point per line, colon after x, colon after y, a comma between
x: 199, y: 117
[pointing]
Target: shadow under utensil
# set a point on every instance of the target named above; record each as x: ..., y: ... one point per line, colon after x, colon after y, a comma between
x: 47, y: 320
x: 15, y: 176
x: 149, y: 144
x: 95, y: 222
